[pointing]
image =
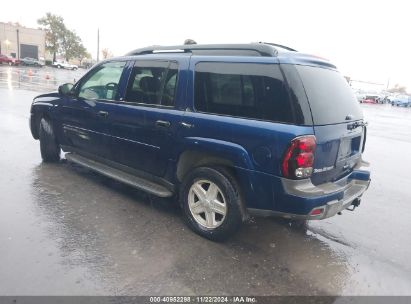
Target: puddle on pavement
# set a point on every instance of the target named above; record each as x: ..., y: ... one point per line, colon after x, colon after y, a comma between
x: 36, y: 79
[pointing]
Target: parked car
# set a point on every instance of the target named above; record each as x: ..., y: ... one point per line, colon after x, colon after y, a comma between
x: 382, y: 99
x: 370, y: 98
x: 371, y: 101
x: 230, y: 130
x: 64, y: 65
x: 390, y: 98
x: 31, y: 62
x: 401, y: 101
x: 86, y: 65
x: 8, y: 60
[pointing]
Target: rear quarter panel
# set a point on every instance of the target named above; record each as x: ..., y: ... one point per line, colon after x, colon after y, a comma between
x: 263, y: 143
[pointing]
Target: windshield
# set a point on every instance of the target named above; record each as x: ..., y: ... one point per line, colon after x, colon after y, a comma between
x: 331, y: 98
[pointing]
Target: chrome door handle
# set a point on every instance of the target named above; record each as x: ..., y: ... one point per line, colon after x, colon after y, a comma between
x: 102, y: 113
x: 163, y: 123
x: 186, y: 125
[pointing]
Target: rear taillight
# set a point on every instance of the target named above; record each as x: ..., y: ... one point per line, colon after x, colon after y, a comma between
x: 299, y: 158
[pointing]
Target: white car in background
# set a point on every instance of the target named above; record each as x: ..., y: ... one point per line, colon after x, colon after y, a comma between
x: 65, y: 65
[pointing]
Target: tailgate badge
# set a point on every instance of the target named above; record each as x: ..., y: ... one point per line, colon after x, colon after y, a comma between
x: 319, y: 170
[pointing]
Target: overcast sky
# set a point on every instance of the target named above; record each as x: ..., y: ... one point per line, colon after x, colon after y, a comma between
x: 367, y: 40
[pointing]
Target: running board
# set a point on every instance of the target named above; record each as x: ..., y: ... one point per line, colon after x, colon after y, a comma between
x: 126, y: 178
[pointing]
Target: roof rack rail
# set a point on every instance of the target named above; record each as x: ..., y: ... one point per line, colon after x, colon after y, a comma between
x: 280, y: 46
x: 260, y: 49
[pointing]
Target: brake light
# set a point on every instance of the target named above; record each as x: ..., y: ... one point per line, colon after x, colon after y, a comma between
x: 299, y: 158
x: 317, y: 212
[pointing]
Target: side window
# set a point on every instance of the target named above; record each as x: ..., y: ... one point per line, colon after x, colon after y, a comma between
x: 153, y: 82
x: 102, y: 83
x: 246, y: 90
x: 232, y: 89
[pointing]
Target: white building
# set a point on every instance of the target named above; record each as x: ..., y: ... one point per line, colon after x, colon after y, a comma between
x: 19, y: 41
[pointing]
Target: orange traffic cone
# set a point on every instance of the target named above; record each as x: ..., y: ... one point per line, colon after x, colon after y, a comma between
x: 30, y: 72
x: 47, y: 76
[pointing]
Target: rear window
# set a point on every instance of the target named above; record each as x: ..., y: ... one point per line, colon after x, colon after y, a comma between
x: 330, y: 97
x: 248, y: 90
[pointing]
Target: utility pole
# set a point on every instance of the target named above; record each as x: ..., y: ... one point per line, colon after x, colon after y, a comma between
x: 98, y: 45
x: 18, y: 44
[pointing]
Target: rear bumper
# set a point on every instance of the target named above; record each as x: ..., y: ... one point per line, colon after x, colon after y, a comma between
x: 300, y: 199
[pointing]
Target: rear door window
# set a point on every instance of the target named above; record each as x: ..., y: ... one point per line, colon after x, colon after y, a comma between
x: 330, y: 97
x: 153, y: 82
x: 248, y: 90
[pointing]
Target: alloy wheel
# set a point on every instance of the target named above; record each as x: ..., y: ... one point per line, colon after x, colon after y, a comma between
x: 207, y: 204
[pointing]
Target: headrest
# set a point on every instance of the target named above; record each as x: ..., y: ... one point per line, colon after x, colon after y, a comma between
x: 149, y: 84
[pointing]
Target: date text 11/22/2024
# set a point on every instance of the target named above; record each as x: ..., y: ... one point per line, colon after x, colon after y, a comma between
x: 203, y: 299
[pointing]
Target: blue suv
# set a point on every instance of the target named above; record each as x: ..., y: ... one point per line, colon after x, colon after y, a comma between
x: 230, y: 130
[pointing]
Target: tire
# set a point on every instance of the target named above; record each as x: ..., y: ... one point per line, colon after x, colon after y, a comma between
x: 49, y: 147
x: 203, y: 219
x: 59, y: 66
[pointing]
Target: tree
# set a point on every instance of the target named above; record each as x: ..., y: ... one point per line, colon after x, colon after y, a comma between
x: 70, y: 46
x: 82, y: 53
x: 398, y: 89
x: 106, y: 53
x: 55, y: 30
x: 61, y: 40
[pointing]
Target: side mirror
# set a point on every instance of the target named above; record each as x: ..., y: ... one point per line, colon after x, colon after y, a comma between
x: 65, y: 89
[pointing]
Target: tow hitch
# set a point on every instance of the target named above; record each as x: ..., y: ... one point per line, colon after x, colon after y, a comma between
x: 354, y: 204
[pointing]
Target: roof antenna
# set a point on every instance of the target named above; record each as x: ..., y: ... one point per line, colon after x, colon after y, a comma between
x: 189, y: 41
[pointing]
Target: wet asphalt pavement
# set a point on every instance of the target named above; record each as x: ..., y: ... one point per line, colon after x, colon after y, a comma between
x: 65, y: 230
x: 44, y: 79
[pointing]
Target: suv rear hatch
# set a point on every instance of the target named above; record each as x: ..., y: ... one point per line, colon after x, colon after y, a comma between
x: 337, y: 120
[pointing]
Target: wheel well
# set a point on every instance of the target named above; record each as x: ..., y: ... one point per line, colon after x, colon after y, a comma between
x: 37, y: 118
x: 192, y: 159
